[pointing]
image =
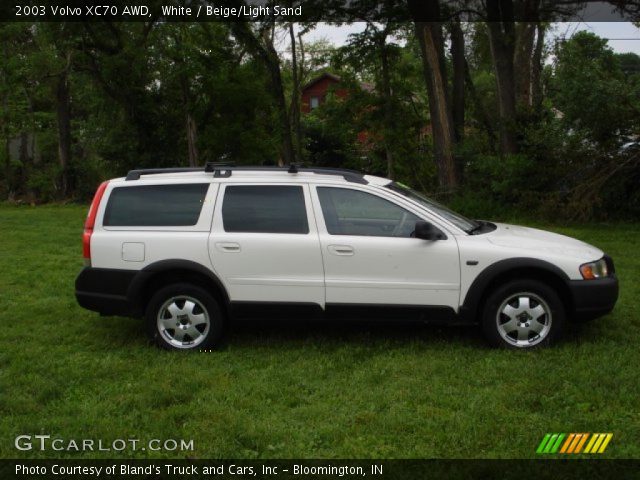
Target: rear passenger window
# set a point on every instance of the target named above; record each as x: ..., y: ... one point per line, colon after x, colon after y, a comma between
x: 264, y: 209
x: 155, y: 205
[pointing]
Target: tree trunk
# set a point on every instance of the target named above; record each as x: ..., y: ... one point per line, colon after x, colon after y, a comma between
x: 4, y: 117
x: 295, y: 96
x: 459, y: 67
x: 480, y: 110
x: 7, y: 164
x: 536, y: 69
x: 31, y: 161
x: 501, y: 26
x: 190, y: 125
x: 273, y: 66
x: 264, y: 51
x: 192, y: 139
x: 301, y: 66
x: 431, y: 44
x: 191, y: 129
x: 63, y: 115
x: 387, y: 102
x: 25, y: 164
x: 522, y: 63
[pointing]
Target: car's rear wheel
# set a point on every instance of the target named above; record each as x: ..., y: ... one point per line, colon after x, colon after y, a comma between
x: 184, y: 317
x: 523, y: 314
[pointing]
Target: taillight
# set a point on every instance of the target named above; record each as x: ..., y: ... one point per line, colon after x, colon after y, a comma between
x: 91, y: 220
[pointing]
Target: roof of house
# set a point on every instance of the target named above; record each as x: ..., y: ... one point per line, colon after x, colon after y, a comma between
x: 336, y: 78
x: 320, y: 77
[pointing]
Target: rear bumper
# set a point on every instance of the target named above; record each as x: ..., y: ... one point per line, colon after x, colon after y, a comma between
x: 593, y: 298
x: 104, y: 290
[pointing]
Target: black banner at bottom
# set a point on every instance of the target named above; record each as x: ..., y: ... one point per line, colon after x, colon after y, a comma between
x: 320, y: 469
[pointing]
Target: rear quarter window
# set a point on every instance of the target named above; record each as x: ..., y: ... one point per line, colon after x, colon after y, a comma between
x: 155, y: 205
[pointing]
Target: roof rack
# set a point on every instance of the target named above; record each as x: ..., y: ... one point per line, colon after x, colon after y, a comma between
x: 349, y: 175
x: 135, y: 174
x: 209, y: 167
x: 226, y: 169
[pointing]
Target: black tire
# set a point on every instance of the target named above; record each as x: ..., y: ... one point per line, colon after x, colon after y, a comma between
x: 523, y: 300
x: 191, y: 332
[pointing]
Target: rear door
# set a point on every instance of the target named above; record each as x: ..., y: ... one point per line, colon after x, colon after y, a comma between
x: 264, y: 244
x: 370, y: 257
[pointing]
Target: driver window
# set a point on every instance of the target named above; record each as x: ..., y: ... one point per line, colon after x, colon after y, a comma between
x: 353, y: 212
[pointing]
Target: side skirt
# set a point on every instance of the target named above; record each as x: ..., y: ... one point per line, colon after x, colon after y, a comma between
x: 435, y: 314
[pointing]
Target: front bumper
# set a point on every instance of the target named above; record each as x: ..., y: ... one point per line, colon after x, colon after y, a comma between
x: 593, y: 298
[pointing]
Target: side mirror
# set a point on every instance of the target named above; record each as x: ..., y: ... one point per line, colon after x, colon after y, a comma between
x: 426, y: 231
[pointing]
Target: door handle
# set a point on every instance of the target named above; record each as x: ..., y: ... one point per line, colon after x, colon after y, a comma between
x: 228, y: 247
x: 345, y: 250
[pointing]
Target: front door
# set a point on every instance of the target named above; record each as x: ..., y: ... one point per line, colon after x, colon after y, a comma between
x: 370, y: 257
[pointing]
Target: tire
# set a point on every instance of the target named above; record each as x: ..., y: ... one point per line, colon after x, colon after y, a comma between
x: 183, y: 316
x: 523, y: 314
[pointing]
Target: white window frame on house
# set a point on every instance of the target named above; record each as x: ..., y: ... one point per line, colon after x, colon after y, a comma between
x: 314, y: 102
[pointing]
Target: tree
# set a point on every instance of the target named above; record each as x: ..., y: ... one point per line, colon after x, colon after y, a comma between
x: 374, y: 50
x: 590, y: 89
x: 430, y: 38
x: 459, y: 68
x: 502, y: 39
x: 259, y: 42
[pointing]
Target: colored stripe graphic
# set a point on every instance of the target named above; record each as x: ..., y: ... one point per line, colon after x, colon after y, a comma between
x: 544, y: 441
x: 556, y: 446
x: 573, y: 443
x: 599, y: 440
x: 550, y: 443
x: 567, y: 443
x: 576, y: 439
x: 590, y: 444
x: 581, y: 443
x: 605, y: 443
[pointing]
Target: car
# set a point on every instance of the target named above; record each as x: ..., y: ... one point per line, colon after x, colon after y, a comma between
x: 190, y: 249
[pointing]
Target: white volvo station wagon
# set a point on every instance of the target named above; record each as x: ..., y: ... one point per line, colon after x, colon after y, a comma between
x: 190, y: 249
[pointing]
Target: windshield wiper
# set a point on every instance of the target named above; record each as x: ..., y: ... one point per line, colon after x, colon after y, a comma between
x: 478, y: 227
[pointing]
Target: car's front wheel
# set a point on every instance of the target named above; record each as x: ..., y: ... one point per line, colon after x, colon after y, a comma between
x: 523, y: 314
x: 184, y: 317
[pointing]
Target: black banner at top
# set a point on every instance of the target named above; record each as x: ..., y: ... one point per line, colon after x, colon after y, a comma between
x: 319, y: 10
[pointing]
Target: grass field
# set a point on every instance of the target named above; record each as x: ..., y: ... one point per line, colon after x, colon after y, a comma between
x: 298, y: 390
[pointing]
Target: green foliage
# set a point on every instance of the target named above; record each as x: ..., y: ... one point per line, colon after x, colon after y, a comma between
x: 508, y: 179
x: 329, y: 144
x: 381, y: 119
x: 590, y: 91
x: 134, y: 88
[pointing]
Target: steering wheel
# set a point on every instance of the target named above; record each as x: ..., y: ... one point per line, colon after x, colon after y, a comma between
x: 400, y: 225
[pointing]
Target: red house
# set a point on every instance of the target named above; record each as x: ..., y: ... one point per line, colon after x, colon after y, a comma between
x: 314, y: 93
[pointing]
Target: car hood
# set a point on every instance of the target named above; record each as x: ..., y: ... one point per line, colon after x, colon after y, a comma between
x: 525, y: 238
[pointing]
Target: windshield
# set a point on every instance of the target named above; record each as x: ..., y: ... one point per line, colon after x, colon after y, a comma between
x: 458, y: 220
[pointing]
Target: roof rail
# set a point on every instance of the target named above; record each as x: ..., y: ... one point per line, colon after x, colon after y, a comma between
x: 226, y: 169
x: 209, y: 167
x: 135, y: 174
x: 349, y: 175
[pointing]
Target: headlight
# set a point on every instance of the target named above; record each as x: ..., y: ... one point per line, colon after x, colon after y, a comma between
x: 593, y: 270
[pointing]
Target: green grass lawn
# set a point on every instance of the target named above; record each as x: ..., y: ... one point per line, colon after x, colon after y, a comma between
x: 297, y: 390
